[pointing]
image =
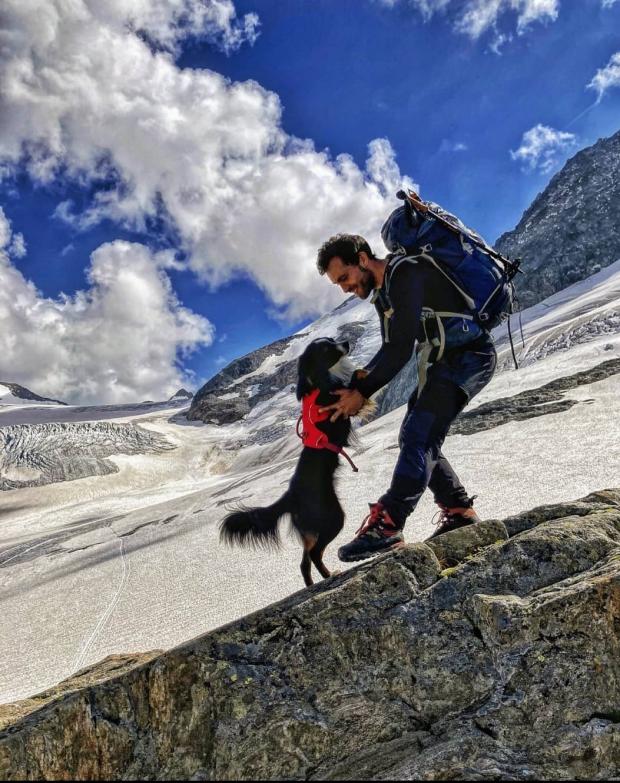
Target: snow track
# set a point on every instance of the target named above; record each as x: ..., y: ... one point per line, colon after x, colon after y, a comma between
x: 126, y: 568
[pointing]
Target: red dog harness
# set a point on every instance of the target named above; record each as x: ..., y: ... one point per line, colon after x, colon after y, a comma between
x: 311, y: 435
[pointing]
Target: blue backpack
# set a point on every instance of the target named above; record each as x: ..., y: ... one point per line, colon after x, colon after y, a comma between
x: 420, y: 231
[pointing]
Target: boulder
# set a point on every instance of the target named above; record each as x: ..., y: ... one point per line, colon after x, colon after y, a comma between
x: 491, y: 652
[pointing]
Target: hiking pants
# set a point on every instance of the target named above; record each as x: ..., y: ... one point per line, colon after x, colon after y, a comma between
x: 449, y: 386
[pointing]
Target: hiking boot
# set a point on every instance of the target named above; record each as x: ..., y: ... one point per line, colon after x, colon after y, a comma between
x: 454, y: 518
x: 378, y: 533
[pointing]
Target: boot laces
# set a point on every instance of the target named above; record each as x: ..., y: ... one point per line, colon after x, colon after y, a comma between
x: 441, y: 517
x: 445, y: 514
x: 376, y: 518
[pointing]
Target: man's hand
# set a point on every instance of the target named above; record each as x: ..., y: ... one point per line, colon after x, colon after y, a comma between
x: 349, y: 403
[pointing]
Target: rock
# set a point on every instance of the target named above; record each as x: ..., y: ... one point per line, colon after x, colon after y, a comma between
x: 505, y: 664
x: 570, y: 230
x: 25, y: 394
x: 531, y: 403
x: 234, y: 391
x: 182, y: 394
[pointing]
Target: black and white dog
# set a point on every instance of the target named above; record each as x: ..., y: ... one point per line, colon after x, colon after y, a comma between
x: 310, y: 499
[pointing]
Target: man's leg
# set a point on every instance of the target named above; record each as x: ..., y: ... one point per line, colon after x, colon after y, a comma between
x: 421, y: 437
x: 446, y: 485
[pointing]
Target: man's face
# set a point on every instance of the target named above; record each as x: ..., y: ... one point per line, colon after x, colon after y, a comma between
x: 351, y: 278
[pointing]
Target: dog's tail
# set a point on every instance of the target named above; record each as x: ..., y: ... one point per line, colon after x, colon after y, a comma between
x: 255, y: 527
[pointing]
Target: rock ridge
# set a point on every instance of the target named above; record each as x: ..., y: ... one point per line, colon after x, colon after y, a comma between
x: 490, y: 652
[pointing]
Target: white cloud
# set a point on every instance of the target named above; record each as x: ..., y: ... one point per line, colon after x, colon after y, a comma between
x: 118, y: 341
x: 541, y: 147
x: 165, y: 23
x: 607, y: 77
x: 447, y: 145
x: 475, y: 17
x: 86, y: 98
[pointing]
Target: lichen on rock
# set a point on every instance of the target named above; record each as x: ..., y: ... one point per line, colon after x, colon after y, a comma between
x: 490, y: 652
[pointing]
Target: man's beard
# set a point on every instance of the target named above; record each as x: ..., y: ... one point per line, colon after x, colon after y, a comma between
x: 367, y: 283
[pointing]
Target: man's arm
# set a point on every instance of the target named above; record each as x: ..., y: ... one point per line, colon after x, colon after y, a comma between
x: 406, y: 294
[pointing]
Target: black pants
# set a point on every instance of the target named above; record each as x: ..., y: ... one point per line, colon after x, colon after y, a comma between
x: 450, y: 384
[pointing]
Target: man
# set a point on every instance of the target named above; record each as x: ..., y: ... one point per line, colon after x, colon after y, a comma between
x: 466, y: 366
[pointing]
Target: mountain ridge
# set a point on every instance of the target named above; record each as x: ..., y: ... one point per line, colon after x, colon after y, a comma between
x: 570, y: 230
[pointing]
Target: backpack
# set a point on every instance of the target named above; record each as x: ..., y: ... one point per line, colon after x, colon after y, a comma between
x: 423, y: 231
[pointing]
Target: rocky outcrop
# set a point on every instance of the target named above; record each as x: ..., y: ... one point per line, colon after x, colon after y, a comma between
x: 25, y: 394
x: 531, y: 403
x: 182, y: 394
x: 238, y: 388
x: 228, y: 396
x: 32, y: 455
x: 492, y: 652
x: 571, y: 229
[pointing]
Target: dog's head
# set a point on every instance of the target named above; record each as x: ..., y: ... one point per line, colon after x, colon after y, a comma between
x: 315, y: 363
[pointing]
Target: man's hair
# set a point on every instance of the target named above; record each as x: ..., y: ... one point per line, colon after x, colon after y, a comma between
x: 346, y: 246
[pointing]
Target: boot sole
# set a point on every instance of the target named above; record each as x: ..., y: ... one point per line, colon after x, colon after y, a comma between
x: 367, y: 555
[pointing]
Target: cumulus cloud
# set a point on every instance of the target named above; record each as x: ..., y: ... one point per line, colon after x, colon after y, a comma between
x: 118, y: 341
x: 87, y: 97
x: 165, y: 23
x: 541, y: 147
x: 606, y: 77
x: 475, y: 17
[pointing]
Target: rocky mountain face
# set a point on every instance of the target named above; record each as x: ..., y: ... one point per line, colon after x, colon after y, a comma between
x: 260, y: 375
x: 571, y: 230
x: 25, y: 394
x: 236, y: 389
x: 492, y: 652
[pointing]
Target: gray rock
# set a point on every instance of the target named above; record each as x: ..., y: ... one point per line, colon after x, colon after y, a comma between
x: 532, y: 402
x: 229, y: 395
x: 571, y: 229
x: 505, y: 665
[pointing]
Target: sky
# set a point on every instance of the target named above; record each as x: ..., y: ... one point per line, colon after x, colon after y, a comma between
x: 168, y: 168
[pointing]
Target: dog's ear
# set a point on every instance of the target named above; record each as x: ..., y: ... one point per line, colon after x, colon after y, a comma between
x: 310, y: 376
x: 304, y: 379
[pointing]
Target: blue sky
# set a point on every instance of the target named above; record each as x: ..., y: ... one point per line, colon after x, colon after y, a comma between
x: 170, y: 166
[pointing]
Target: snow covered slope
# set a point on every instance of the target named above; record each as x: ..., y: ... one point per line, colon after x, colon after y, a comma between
x: 578, y: 314
x: 131, y: 561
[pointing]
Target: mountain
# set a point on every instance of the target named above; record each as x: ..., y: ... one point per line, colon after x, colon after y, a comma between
x: 572, y: 228
x: 258, y: 389
x: 568, y: 233
x: 182, y: 394
x: 110, y: 543
x: 14, y: 394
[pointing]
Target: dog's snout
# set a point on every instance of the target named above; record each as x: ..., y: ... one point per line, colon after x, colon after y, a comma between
x: 344, y: 347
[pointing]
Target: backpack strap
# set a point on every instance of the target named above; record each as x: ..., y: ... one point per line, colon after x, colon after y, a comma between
x: 432, y: 348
